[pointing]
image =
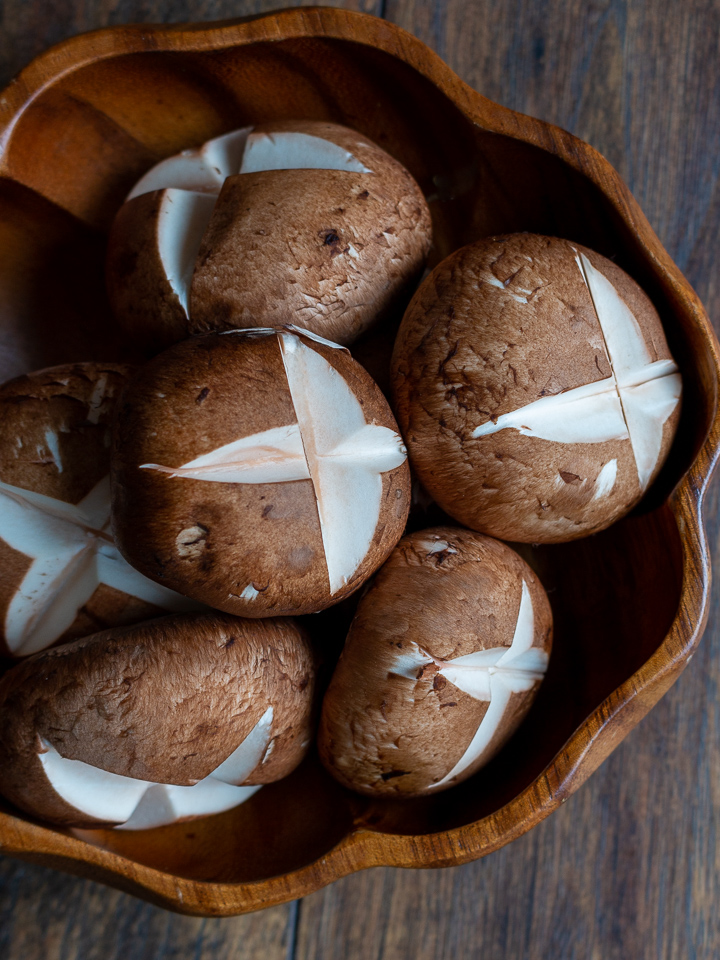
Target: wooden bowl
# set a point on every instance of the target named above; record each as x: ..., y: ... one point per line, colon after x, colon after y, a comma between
x: 78, y: 126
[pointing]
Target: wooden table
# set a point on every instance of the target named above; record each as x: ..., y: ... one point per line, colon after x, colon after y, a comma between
x: 629, y: 868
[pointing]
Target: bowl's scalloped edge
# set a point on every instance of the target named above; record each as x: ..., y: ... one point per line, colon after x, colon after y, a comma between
x: 603, y: 730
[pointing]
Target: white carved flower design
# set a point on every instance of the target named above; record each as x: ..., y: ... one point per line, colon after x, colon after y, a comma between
x: 331, y: 444
x: 634, y: 402
x: 493, y: 675
x: 72, y: 553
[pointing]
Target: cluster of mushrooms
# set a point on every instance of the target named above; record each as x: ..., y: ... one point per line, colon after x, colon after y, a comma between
x: 161, y: 526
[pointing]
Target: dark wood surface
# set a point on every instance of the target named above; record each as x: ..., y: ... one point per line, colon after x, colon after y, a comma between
x: 629, y: 867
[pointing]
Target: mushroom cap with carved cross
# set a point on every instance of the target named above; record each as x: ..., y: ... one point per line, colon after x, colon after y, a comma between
x: 535, y: 388
x: 286, y: 222
x: 61, y: 576
x: 258, y: 471
x: 180, y: 717
x: 442, y: 662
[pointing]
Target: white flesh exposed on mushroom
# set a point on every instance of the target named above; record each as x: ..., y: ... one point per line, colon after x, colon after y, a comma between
x: 204, y: 170
x: 649, y: 392
x: 588, y: 414
x: 193, y: 179
x: 72, y: 553
x: 51, y: 442
x: 95, y: 792
x: 437, y: 546
x: 647, y: 406
x: 516, y: 671
x: 623, y: 337
x: 296, y: 151
x: 272, y: 456
x: 345, y: 456
x: 494, y: 674
x: 241, y: 762
x: 605, y: 480
x: 165, y: 803
x: 635, y: 401
x: 342, y: 454
x: 224, y: 154
x: 182, y: 221
x: 308, y: 334
x: 141, y: 804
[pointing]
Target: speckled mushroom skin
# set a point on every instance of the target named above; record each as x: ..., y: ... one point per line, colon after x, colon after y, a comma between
x: 384, y: 734
x: 138, y: 288
x: 345, y: 249
x: 213, y: 541
x: 67, y: 401
x: 69, y: 407
x: 330, y: 251
x: 498, y: 325
x: 165, y: 701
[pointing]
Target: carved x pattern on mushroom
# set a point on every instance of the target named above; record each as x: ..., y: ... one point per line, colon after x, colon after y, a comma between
x: 142, y: 804
x: 493, y: 675
x: 331, y: 444
x: 72, y: 553
x: 194, y: 178
x: 634, y: 402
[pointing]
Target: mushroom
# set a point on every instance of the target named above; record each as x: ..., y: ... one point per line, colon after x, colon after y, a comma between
x: 286, y: 222
x: 61, y: 575
x: 535, y: 388
x: 442, y: 662
x: 144, y: 725
x: 258, y: 471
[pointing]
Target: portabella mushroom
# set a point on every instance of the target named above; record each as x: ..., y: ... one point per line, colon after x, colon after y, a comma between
x: 61, y: 576
x: 443, y: 660
x: 258, y: 471
x: 179, y: 717
x: 535, y: 388
x: 286, y: 222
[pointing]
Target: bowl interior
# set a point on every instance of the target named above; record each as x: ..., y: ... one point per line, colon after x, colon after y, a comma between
x: 72, y: 156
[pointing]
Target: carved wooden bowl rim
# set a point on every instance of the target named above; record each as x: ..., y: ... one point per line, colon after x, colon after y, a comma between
x: 598, y: 735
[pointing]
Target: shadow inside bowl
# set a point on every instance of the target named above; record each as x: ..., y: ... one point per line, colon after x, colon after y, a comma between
x: 73, y: 154
x: 281, y: 828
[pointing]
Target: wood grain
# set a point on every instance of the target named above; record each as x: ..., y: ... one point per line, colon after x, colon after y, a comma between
x: 45, y: 915
x: 27, y: 27
x: 629, y: 867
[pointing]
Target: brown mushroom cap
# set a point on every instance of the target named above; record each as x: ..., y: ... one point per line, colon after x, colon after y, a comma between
x: 54, y: 507
x: 329, y: 243
x: 409, y: 709
x: 55, y: 427
x: 165, y: 702
x: 142, y: 297
x: 535, y: 388
x: 258, y: 471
